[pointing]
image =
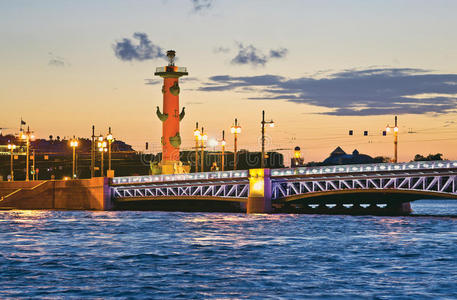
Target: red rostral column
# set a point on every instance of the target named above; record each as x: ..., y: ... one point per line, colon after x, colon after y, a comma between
x: 170, y: 117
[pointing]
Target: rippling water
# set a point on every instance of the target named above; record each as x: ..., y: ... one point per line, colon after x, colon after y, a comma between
x: 65, y: 254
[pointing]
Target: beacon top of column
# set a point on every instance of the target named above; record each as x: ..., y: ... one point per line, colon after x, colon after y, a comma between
x: 171, y: 70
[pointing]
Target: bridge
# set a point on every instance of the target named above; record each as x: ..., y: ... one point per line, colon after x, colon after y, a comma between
x: 360, y: 188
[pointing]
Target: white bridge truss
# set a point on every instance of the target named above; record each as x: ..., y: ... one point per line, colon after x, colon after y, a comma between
x: 216, y: 190
x: 429, y: 178
x: 444, y: 185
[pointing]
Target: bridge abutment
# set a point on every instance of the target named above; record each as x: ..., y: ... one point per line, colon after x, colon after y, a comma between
x: 259, y: 199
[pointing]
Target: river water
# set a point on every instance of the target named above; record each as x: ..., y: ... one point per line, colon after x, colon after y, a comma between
x: 165, y: 255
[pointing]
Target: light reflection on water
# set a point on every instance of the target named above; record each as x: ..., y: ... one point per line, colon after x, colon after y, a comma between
x: 165, y: 255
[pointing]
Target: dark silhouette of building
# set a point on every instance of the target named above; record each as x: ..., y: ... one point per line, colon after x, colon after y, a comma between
x: 339, y: 157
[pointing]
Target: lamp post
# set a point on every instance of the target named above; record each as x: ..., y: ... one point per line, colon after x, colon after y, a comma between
x: 92, y: 154
x: 11, y: 147
x: 27, y: 136
x: 223, y: 150
x: 197, y: 138
x: 74, y: 144
x: 395, y: 129
x: 102, y: 149
x: 272, y: 124
x: 110, y: 139
x: 235, y: 129
x: 203, y: 138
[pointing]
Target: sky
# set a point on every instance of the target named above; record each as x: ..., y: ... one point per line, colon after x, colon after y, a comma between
x: 317, y: 68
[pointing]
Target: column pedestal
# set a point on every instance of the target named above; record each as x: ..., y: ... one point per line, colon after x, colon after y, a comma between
x: 259, y: 200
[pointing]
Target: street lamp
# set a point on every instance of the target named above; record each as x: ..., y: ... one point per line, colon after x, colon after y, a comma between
x: 223, y: 150
x: 110, y: 140
x: 271, y: 124
x: 74, y: 144
x: 102, y: 149
x: 235, y: 129
x: 395, y: 130
x: 11, y: 147
x: 27, y: 136
x: 202, y: 137
x: 197, y: 138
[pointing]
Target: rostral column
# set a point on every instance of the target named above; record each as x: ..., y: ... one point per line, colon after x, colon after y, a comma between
x: 170, y: 117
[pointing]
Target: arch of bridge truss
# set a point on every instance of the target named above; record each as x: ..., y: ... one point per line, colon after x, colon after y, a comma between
x: 321, y: 194
x: 179, y: 198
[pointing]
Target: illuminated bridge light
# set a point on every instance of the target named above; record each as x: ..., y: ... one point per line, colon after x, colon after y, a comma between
x: 454, y: 164
x: 314, y: 171
x: 440, y: 165
x: 288, y: 172
x: 341, y: 169
x: 301, y: 171
x: 327, y: 170
x: 397, y: 167
x: 382, y: 167
x: 368, y: 168
x: 411, y: 166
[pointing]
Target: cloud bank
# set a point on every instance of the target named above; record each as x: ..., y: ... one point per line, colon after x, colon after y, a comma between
x: 56, y: 61
x: 364, y: 92
x: 250, y: 55
x: 199, y: 5
x: 143, y: 49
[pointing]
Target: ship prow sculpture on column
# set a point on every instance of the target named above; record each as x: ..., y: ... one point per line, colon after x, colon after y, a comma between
x: 171, y: 116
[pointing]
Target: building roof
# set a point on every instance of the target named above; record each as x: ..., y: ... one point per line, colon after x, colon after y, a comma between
x: 338, y: 151
x: 339, y: 157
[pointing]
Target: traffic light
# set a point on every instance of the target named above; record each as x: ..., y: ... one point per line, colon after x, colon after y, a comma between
x: 351, y: 132
x: 147, y: 145
x: 365, y: 133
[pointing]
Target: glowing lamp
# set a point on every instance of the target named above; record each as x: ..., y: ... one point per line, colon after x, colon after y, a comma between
x: 196, y: 133
x: 213, y: 143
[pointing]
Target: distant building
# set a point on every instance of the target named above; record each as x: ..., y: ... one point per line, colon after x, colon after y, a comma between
x: 297, y: 160
x: 339, y: 157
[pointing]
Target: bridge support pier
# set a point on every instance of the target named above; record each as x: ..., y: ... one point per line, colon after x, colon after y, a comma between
x: 259, y: 200
x: 403, y: 208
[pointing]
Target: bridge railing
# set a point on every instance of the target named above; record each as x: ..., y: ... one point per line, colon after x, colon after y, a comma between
x: 181, y: 177
x: 362, y: 168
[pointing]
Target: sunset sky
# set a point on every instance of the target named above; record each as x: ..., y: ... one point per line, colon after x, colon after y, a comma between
x: 318, y: 69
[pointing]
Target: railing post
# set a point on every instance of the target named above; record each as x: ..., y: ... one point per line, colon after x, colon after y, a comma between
x: 259, y: 200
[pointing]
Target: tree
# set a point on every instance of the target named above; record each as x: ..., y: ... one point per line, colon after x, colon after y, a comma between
x: 381, y: 159
x: 430, y: 157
